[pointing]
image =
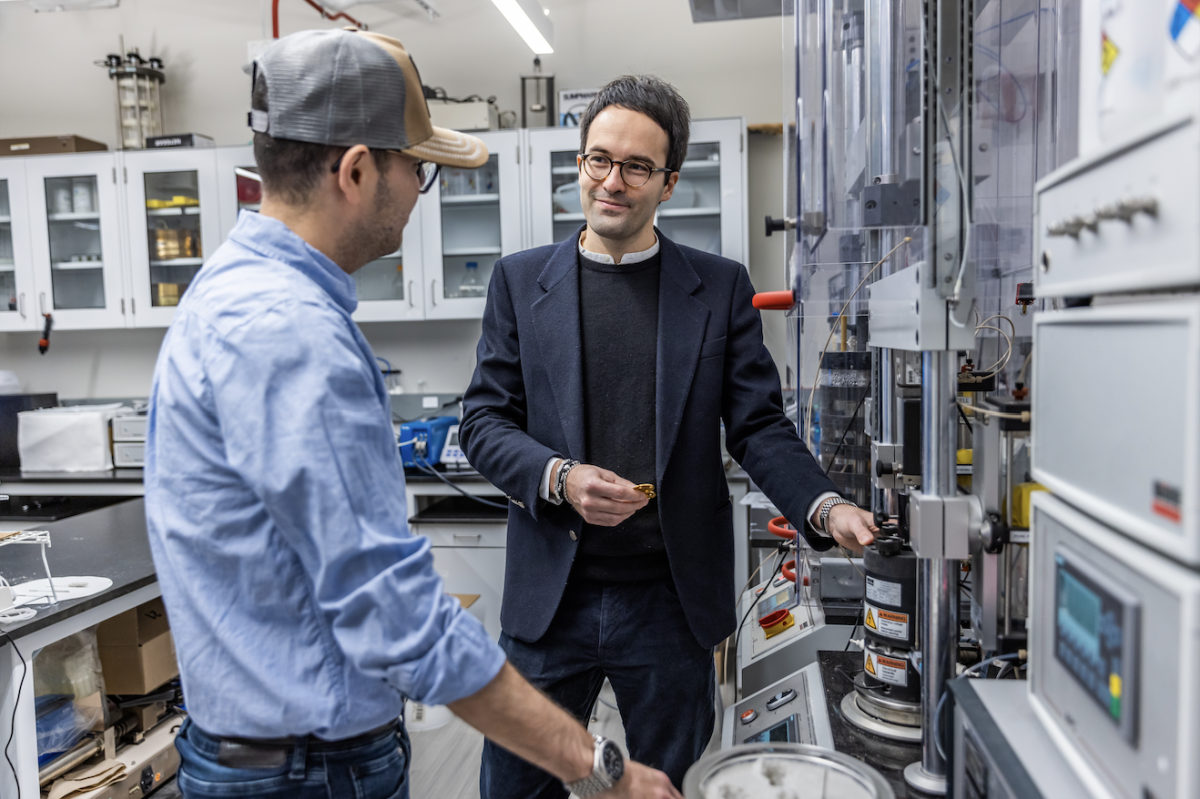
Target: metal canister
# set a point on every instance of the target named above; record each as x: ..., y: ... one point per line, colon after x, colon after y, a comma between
x: 890, y: 604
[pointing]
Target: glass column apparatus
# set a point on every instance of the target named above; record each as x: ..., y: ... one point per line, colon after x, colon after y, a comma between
x: 137, y: 83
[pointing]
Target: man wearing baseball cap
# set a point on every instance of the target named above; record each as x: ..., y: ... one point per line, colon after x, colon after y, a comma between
x: 303, y: 610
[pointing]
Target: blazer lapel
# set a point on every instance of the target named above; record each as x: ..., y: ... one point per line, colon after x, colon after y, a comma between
x: 682, y: 320
x: 556, y: 320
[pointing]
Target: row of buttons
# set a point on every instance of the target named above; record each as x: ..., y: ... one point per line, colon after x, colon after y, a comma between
x: 774, y: 703
x: 1125, y: 210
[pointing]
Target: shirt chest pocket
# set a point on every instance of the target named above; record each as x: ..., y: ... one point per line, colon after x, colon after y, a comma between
x: 713, y: 348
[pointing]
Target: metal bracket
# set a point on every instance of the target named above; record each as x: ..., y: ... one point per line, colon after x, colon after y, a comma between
x: 888, y: 460
x: 943, y: 528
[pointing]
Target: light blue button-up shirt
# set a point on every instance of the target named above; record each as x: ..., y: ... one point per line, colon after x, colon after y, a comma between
x: 299, y: 601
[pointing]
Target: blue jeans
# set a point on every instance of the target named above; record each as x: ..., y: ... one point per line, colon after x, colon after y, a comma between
x: 636, y: 635
x: 373, y: 769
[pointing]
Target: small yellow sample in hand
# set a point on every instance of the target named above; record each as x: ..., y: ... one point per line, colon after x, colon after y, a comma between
x: 646, y: 489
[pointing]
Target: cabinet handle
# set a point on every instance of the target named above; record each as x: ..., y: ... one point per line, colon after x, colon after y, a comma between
x: 475, y: 536
x: 42, y: 302
x: 411, y: 304
x: 433, y: 291
x: 122, y: 306
x: 21, y: 304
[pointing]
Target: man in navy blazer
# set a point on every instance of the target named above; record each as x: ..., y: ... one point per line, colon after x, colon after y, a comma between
x: 606, y: 366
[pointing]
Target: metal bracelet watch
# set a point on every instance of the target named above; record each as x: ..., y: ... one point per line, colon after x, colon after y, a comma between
x: 608, y: 766
x: 828, y: 505
x: 560, y: 482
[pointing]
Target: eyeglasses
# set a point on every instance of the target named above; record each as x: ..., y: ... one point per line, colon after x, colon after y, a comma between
x: 427, y: 171
x: 633, y: 173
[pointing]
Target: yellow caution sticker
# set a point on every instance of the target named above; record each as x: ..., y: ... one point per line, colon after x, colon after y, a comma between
x: 887, y: 623
x: 1108, y: 53
x: 886, y: 669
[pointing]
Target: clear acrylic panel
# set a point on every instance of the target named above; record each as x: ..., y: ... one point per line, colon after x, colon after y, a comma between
x: 470, y: 229
x: 565, y: 203
x: 76, y: 254
x: 693, y: 214
x: 8, y: 273
x: 173, y: 233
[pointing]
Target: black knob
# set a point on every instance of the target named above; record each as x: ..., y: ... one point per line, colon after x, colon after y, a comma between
x: 883, y: 469
x: 888, y: 545
x: 779, y: 224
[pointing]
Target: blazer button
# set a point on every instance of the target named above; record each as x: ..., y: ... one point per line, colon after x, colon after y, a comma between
x: 574, y: 536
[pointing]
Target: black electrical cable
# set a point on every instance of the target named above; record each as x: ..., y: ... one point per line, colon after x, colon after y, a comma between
x: 12, y: 727
x: 782, y: 552
x: 849, y: 424
x: 963, y: 414
x: 857, y: 621
x: 430, y: 470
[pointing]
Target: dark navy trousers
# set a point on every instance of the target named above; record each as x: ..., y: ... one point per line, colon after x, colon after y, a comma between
x: 635, y: 634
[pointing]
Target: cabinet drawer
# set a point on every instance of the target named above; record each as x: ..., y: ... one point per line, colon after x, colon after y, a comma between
x: 442, y: 534
x: 479, y: 571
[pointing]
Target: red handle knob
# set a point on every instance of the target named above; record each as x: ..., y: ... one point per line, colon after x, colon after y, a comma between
x: 774, y: 300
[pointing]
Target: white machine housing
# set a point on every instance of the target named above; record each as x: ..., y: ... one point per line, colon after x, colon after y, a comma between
x: 1098, y: 443
x: 1124, y: 218
x: 1151, y: 751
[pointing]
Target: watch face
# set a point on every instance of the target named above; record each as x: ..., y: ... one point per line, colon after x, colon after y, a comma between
x: 613, y: 760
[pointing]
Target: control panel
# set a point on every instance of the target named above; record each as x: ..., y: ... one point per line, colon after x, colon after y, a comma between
x: 792, y: 710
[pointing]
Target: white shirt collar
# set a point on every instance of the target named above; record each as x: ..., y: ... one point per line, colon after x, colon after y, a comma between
x: 626, y: 259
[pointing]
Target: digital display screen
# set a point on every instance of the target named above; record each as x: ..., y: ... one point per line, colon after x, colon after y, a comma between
x: 784, y: 599
x: 782, y: 733
x: 1095, y: 637
x: 452, y: 439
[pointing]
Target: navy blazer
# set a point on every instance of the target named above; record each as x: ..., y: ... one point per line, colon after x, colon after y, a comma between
x: 525, y: 406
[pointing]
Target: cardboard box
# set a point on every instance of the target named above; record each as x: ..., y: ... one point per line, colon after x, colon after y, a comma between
x: 46, y: 145
x: 137, y: 652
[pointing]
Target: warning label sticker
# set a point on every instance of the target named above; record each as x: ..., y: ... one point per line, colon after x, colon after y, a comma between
x: 885, y: 669
x: 1167, y: 501
x: 886, y: 622
x: 882, y: 591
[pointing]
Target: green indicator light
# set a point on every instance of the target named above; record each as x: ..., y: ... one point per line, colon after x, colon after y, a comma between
x: 1114, y: 707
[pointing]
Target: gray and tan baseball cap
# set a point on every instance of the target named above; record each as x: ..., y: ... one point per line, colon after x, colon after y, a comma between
x: 347, y: 87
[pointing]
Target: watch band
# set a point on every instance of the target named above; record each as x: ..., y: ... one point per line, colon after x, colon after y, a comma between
x: 560, y: 482
x: 599, y: 780
x: 826, y: 507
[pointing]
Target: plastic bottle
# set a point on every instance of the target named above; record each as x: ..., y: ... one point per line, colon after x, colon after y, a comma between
x: 471, y: 285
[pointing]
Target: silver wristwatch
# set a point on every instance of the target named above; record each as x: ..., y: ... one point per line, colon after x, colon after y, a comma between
x: 608, y: 765
x: 828, y: 505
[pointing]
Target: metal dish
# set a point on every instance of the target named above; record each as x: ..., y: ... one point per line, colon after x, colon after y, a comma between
x: 788, y: 771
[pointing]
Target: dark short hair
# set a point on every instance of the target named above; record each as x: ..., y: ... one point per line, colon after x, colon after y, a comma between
x: 651, y: 96
x: 291, y: 169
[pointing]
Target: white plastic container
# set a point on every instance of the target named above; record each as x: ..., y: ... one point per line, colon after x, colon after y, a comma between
x: 71, y: 439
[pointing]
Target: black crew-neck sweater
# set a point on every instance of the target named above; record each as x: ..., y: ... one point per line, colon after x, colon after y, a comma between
x: 619, y: 327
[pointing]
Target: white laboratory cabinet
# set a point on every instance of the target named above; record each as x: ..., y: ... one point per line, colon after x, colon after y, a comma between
x: 17, y: 292
x: 113, y: 239
x: 707, y: 210
x: 470, y: 219
x: 171, y: 204
x: 389, y: 288
x: 74, y: 218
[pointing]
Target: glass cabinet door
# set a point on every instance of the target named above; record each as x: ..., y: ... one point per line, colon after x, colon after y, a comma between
x: 707, y: 209
x: 693, y: 214
x: 173, y: 227
x: 16, y: 270
x: 478, y: 215
x: 76, y: 241
x: 389, y: 288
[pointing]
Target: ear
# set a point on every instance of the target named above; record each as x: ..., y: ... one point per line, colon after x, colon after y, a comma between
x: 357, y: 175
x: 669, y: 189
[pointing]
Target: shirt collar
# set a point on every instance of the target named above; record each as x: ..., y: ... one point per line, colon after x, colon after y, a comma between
x: 275, y: 240
x: 626, y: 259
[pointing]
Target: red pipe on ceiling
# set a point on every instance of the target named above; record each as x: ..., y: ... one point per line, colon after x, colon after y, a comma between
x: 325, y: 14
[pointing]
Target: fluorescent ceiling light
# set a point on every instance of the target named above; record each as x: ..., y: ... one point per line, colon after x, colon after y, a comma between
x: 530, y: 21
